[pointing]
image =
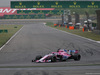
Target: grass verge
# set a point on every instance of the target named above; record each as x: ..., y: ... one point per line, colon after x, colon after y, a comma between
x: 5, y: 36
x: 79, y: 32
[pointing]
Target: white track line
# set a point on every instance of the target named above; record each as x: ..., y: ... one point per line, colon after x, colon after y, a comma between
x: 10, y: 39
x: 74, y: 34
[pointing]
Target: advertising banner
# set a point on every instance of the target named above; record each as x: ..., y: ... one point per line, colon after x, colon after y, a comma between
x: 55, y: 4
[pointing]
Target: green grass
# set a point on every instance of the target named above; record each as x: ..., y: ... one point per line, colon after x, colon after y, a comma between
x: 12, y: 29
x: 49, y: 23
x: 79, y: 32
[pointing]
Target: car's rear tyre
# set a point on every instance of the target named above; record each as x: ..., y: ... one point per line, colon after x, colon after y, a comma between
x: 77, y: 57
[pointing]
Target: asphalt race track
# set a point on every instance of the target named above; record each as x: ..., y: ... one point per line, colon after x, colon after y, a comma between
x: 37, y: 39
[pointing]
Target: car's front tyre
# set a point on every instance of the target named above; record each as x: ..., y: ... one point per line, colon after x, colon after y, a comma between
x: 38, y: 57
x: 53, y: 59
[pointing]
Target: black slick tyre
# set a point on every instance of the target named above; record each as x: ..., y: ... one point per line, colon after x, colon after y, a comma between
x: 77, y: 57
x: 38, y: 57
x: 53, y: 59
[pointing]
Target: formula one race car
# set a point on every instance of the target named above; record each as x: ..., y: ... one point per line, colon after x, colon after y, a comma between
x: 60, y: 55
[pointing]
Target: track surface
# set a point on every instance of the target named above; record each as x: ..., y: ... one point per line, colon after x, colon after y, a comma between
x: 38, y: 39
x: 92, y: 70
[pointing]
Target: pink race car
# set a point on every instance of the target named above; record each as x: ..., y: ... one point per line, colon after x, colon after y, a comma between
x: 60, y: 55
